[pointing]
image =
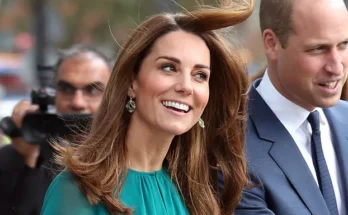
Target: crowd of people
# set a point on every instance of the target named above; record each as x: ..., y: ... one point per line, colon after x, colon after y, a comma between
x: 179, y: 128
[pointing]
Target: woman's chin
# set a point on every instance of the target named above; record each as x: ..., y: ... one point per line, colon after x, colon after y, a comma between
x: 177, y: 130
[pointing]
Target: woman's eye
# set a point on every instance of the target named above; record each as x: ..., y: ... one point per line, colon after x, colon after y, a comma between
x: 168, y: 68
x: 202, y: 75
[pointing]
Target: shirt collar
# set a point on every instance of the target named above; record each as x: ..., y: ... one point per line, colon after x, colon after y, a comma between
x: 290, y: 114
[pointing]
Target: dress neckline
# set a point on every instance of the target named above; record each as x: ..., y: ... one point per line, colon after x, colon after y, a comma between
x: 152, y: 173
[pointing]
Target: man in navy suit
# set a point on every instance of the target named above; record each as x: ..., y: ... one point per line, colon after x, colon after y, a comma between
x: 297, y: 134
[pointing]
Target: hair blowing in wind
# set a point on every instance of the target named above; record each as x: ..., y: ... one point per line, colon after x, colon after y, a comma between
x: 100, y: 161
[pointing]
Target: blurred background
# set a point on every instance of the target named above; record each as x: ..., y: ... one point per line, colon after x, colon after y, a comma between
x: 33, y: 31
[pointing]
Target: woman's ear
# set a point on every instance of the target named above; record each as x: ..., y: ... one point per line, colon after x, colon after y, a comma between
x: 132, y: 89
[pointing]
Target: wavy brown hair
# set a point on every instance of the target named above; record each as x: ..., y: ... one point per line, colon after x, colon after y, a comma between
x: 99, y: 162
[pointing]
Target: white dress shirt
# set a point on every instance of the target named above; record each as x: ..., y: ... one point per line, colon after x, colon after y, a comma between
x: 294, y: 119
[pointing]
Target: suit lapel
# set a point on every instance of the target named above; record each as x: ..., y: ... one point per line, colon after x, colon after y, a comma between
x: 339, y: 135
x: 285, y: 153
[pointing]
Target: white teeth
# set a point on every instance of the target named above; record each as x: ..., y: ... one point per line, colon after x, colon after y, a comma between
x: 182, y: 107
x: 331, y: 85
x: 176, y: 105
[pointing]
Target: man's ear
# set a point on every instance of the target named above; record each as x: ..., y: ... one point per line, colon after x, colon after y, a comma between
x: 270, y: 43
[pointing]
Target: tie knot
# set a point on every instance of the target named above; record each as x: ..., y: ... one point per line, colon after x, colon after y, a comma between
x: 314, y: 121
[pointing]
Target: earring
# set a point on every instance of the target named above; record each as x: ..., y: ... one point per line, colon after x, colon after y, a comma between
x: 201, y: 123
x: 130, y: 106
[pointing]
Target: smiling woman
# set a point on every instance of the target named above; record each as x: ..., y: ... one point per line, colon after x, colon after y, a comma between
x: 172, y: 116
x: 172, y: 86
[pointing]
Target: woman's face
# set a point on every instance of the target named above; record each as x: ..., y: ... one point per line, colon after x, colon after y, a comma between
x: 171, y: 88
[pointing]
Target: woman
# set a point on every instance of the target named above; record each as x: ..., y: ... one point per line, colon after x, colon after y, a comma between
x: 173, y: 114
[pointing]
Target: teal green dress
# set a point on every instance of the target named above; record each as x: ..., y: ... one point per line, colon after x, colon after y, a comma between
x: 147, y: 193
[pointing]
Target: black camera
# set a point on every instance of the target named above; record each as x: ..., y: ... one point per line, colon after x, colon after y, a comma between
x: 41, y: 126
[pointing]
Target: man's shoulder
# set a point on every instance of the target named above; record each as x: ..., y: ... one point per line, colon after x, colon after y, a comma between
x: 340, y: 111
x: 341, y: 106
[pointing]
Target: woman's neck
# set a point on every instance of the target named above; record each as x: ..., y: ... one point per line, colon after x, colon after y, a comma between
x: 146, y: 148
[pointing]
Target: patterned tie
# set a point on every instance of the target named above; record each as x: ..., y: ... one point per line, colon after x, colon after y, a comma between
x: 319, y: 162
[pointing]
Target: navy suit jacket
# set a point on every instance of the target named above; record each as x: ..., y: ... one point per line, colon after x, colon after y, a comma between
x: 283, y: 182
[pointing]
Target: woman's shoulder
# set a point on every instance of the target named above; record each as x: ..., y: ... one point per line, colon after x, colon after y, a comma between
x: 64, y: 182
x: 64, y: 196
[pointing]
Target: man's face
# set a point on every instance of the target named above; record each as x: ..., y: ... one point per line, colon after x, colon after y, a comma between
x: 312, y: 69
x: 80, y: 85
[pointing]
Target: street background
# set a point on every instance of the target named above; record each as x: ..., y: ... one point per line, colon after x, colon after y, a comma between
x: 33, y: 31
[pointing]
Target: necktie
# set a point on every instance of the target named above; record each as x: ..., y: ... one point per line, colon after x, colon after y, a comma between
x: 323, y: 175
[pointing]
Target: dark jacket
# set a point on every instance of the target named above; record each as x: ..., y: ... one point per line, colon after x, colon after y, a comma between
x: 284, y: 183
x: 22, y: 189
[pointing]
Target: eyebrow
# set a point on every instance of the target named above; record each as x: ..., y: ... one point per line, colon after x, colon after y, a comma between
x: 176, y: 60
x: 62, y: 83
x: 321, y: 43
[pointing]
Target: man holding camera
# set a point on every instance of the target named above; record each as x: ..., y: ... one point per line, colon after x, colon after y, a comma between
x: 81, y: 76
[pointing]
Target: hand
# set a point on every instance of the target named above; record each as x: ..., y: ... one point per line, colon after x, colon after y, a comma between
x: 30, y: 152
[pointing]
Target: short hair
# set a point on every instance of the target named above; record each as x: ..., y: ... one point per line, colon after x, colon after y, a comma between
x: 79, y: 49
x: 276, y: 15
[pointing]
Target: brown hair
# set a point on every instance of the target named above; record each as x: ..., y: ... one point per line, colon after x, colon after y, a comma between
x: 276, y: 15
x: 99, y: 163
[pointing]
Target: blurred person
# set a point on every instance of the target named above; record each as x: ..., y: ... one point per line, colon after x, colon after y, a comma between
x: 81, y: 74
x: 3, y: 138
x: 172, y: 114
x: 297, y: 143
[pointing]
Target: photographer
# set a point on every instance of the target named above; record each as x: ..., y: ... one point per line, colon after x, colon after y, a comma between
x: 81, y: 75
